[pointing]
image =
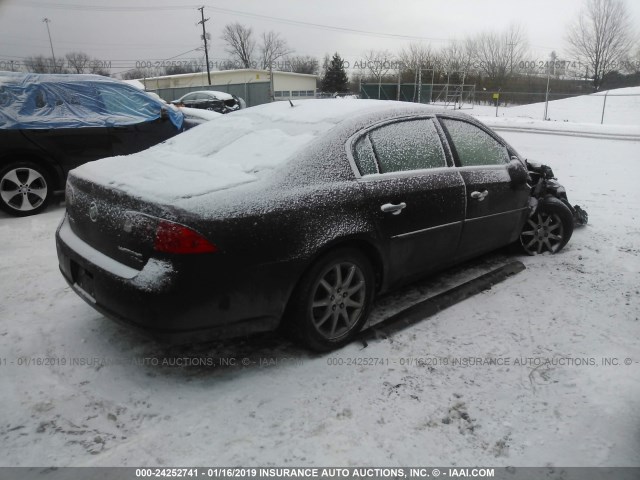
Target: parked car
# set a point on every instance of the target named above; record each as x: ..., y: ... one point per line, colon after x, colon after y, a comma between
x: 220, y: 102
x: 192, y: 116
x: 291, y: 214
x: 50, y: 124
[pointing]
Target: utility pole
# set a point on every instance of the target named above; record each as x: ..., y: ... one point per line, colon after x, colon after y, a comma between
x: 420, y: 82
x: 204, y: 37
x: 46, y: 21
x: 546, y: 97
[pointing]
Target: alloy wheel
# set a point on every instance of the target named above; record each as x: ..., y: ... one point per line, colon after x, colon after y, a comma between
x: 338, y: 300
x: 542, y: 232
x: 23, y: 189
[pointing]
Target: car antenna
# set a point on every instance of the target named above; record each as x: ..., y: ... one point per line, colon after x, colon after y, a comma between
x: 291, y: 103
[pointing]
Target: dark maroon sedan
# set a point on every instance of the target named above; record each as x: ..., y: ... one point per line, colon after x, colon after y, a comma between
x: 297, y: 214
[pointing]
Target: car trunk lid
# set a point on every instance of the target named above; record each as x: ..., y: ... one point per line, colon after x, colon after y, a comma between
x: 115, y: 223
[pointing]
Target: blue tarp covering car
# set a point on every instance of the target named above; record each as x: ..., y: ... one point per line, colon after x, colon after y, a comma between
x: 35, y: 101
x: 50, y: 124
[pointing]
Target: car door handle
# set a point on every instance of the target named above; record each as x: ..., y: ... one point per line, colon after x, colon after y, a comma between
x: 479, y: 195
x: 393, y: 209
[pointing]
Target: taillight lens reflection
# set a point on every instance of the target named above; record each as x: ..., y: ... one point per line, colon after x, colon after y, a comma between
x: 175, y: 238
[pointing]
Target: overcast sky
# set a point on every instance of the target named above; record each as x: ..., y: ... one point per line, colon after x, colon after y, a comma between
x: 129, y: 32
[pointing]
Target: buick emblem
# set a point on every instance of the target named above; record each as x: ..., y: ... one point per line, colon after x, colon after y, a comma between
x: 93, y: 212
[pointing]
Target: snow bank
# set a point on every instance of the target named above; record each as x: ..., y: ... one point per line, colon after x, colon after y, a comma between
x: 626, y: 132
x: 622, y: 108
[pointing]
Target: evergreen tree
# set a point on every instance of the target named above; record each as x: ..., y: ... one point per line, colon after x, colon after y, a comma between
x: 335, y: 78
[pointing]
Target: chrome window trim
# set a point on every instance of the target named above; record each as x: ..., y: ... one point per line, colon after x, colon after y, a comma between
x: 404, y: 174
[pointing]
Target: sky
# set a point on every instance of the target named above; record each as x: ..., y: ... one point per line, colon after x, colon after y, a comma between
x: 134, y: 33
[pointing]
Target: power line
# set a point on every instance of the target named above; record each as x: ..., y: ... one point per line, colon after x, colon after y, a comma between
x: 228, y: 11
x: 300, y: 23
x: 103, y: 8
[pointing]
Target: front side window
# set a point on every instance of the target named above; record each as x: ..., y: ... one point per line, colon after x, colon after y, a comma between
x: 407, y: 145
x: 122, y: 101
x: 474, y: 146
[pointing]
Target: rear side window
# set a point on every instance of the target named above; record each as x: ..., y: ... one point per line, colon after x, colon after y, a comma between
x: 474, y: 146
x: 364, y: 156
x: 408, y: 145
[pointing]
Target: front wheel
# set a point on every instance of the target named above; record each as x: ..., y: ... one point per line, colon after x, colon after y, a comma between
x: 24, y: 189
x: 548, y: 229
x: 332, y: 301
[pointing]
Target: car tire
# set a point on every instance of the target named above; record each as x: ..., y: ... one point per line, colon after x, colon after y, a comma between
x: 332, y: 301
x: 548, y: 229
x: 25, y: 188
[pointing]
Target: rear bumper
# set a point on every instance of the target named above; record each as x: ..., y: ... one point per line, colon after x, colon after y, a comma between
x: 187, y: 301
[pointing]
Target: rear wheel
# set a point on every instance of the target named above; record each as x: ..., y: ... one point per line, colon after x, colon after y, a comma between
x: 24, y: 189
x: 332, y: 301
x: 549, y: 229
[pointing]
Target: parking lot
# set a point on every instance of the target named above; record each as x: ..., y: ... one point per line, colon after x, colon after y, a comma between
x: 543, y: 369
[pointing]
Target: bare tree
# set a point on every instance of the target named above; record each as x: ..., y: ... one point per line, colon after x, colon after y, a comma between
x: 601, y: 36
x: 240, y: 43
x: 416, y: 55
x: 456, y: 57
x: 379, y: 63
x: 326, y: 63
x: 517, y: 46
x: 273, y: 48
x: 498, y: 55
x: 415, y: 58
x: 633, y: 62
x: 42, y: 64
x: 100, y: 71
x: 140, y: 73
x: 77, y: 61
x: 303, y: 64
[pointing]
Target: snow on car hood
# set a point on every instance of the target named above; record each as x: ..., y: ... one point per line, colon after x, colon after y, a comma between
x: 228, y: 151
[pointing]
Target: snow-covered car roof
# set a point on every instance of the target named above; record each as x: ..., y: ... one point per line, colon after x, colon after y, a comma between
x: 215, y: 93
x: 37, y: 101
x: 230, y: 150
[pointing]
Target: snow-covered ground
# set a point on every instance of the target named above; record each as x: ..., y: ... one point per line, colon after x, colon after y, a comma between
x: 573, y: 116
x: 77, y: 390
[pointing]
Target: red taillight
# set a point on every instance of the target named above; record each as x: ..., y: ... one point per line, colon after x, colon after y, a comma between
x: 174, y: 238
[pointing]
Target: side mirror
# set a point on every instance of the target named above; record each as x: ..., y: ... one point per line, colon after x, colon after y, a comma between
x: 518, y: 172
